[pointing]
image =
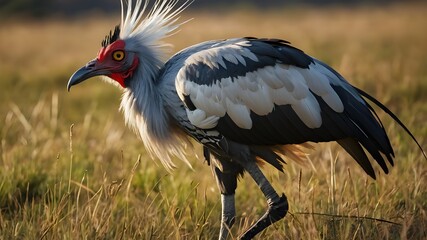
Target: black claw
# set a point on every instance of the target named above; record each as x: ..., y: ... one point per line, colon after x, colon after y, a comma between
x: 275, y: 212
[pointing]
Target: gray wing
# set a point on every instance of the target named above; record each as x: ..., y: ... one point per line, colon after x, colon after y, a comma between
x: 266, y: 92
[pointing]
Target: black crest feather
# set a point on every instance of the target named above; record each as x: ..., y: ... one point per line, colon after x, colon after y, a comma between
x: 112, y: 37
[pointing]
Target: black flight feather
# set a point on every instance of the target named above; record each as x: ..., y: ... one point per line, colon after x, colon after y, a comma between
x: 392, y: 115
x: 356, y: 151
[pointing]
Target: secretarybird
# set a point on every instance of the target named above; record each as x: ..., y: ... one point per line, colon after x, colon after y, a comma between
x: 245, y: 100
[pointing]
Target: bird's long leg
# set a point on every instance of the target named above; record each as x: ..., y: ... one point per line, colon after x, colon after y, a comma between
x: 226, y: 174
x: 227, y: 216
x: 277, y: 206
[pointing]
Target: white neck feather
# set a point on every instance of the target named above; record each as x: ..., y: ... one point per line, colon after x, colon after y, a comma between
x: 142, y: 103
x: 144, y: 111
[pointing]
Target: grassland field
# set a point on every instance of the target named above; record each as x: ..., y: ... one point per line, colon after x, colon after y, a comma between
x: 70, y: 169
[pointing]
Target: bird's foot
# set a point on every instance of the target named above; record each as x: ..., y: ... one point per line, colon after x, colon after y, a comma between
x: 276, y: 211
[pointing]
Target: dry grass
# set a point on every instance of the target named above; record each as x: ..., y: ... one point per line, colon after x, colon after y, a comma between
x: 93, y: 180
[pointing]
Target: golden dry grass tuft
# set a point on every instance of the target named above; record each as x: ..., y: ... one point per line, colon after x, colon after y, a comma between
x: 71, y: 170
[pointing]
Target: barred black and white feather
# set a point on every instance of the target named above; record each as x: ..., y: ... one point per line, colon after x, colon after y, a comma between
x: 266, y: 92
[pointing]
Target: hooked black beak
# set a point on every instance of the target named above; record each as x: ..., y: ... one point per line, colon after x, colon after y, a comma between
x: 86, y: 72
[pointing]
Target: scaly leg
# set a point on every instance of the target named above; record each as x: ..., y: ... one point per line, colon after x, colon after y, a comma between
x: 226, y: 174
x: 227, y: 216
x: 277, y: 206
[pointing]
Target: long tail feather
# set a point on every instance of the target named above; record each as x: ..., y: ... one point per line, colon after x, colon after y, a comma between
x: 392, y: 115
x: 356, y: 151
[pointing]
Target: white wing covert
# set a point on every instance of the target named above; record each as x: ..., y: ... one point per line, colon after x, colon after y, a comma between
x: 240, y: 77
x: 266, y: 92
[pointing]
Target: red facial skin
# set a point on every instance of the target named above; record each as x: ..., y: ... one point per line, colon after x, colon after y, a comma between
x: 118, y: 71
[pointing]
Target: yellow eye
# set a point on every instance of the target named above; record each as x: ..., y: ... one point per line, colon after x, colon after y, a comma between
x: 118, y: 55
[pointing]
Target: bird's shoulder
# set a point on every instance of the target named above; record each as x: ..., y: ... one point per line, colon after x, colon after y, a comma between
x: 212, y: 61
x: 238, y: 78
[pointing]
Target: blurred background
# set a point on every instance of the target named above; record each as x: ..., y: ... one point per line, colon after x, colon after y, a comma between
x: 46, y: 8
x: 70, y: 168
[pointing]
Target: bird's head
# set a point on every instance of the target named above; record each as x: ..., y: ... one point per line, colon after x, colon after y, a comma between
x: 134, y: 45
x: 114, y: 60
